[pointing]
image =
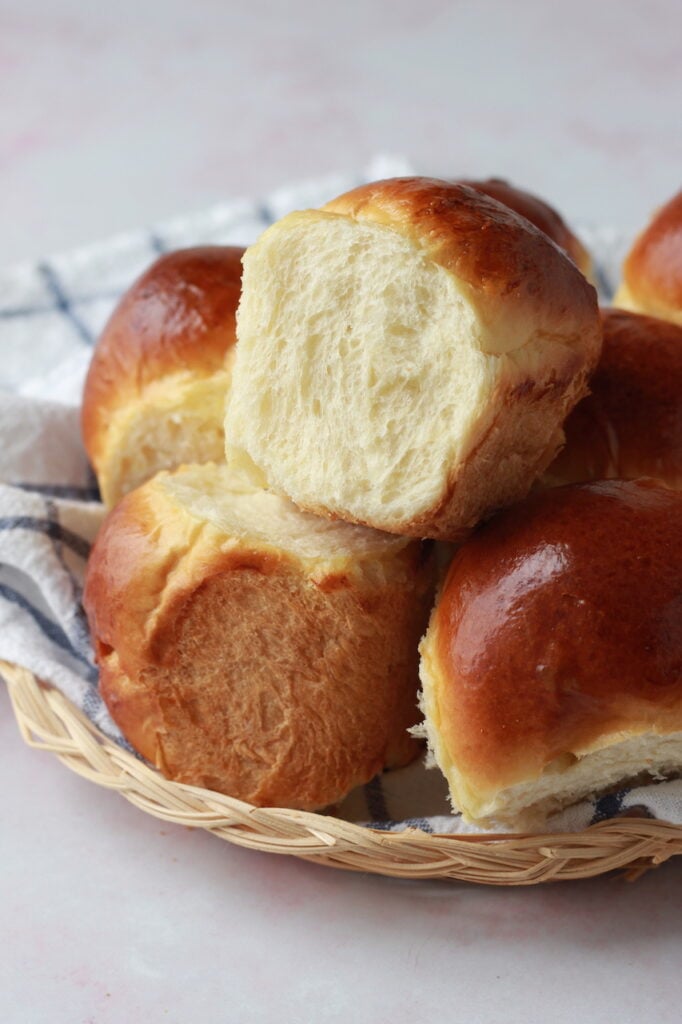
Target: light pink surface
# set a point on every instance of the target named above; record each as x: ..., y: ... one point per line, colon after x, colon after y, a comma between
x: 111, y: 916
x: 114, y: 115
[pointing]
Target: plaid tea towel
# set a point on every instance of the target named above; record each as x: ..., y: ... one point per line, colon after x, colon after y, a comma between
x: 50, y: 315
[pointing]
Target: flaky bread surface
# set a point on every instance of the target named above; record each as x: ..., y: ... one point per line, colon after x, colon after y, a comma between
x: 652, y: 272
x: 552, y: 665
x: 254, y: 649
x: 406, y: 357
x: 155, y: 392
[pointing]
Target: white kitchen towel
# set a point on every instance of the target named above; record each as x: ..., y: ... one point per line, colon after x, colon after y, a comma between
x: 50, y: 314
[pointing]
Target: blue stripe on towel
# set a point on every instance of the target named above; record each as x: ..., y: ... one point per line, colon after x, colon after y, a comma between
x: 265, y: 214
x: 608, y: 806
x: 376, y: 804
x: 92, y: 703
x: 53, y: 530
x: 79, y: 633
x: 420, y: 823
x: 157, y: 243
x: 63, y: 303
x: 423, y: 824
x: 51, y: 629
x: 68, y: 491
x: 56, y: 533
x: 20, y: 312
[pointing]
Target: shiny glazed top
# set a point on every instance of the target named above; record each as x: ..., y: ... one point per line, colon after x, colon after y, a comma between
x: 653, y: 269
x: 561, y: 621
x: 178, y: 316
x: 538, y: 212
x: 630, y: 425
x: 506, y: 263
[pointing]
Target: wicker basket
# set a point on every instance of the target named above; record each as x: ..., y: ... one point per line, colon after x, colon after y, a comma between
x: 48, y: 721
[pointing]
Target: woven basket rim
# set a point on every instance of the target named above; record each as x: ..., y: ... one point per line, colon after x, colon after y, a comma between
x: 47, y: 720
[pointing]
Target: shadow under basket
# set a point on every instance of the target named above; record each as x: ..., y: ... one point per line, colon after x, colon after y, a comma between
x: 48, y: 721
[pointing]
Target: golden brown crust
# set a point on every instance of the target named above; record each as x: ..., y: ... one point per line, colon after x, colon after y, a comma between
x: 178, y: 317
x: 558, y: 626
x: 630, y: 425
x: 488, y: 248
x: 229, y: 666
x: 539, y: 213
x: 510, y: 445
x: 652, y: 272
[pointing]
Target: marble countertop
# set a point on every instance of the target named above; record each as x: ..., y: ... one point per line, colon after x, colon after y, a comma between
x: 118, y: 115
x: 111, y: 916
x: 113, y: 116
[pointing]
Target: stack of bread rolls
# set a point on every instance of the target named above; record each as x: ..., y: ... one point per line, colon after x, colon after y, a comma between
x: 413, y: 366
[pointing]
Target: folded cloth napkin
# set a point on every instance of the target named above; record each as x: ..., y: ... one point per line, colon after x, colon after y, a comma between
x: 50, y: 315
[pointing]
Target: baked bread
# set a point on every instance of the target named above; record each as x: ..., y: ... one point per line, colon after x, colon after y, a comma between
x: 630, y: 425
x: 652, y: 272
x: 254, y: 649
x: 407, y: 355
x: 155, y: 392
x: 540, y: 213
x: 552, y: 665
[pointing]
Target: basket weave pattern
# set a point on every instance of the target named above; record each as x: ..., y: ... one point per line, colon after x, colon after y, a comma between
x: 48, y: 721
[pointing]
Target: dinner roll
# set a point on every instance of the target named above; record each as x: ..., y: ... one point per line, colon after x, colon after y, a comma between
x: 652, y: 272
x: 552, y: 665
x: 155, y: 392
x: 252, y: 648
x: 630, y: 425
x: 407, y: 355
x: 540, y: 213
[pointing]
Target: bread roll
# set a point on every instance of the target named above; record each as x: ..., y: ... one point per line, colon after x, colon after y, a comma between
x: 155, y: 393
x: 406, y: 356
x: 552, y: 665
x: 630, y: 425
x: 540, y: 213
x: 652, y: 272
x: 252, y: 648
